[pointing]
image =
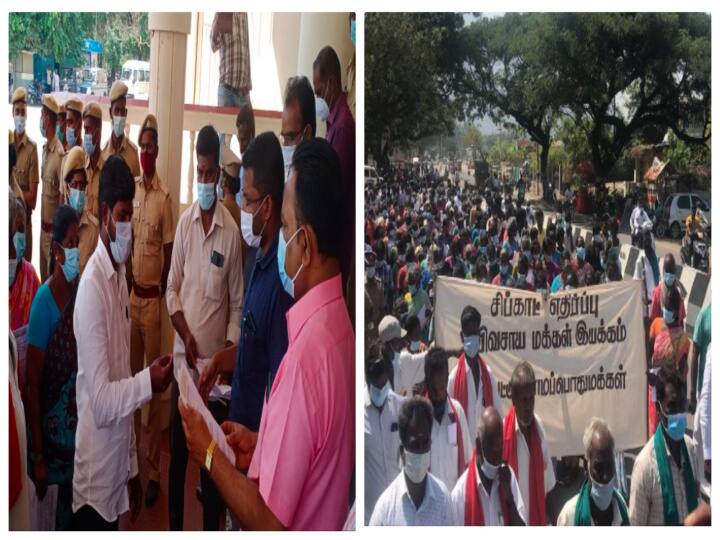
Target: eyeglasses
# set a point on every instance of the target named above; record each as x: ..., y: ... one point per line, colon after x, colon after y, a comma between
x: 290, y: 137
x: 247, y: 202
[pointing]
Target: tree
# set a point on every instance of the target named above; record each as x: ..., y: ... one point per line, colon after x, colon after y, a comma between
x: 472, y: 139
x: 622, y: 73
x: 412, y: 66
x: 509, y: 80
x: 48, y: 34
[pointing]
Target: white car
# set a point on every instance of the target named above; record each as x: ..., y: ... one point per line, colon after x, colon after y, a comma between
x: 371, y: 176
x: 677, y: 208
x: 136, y: 75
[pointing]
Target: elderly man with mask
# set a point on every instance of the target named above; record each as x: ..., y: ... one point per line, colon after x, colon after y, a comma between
x: 204, y: 300
x: 301, y: 460
x: 92, y: 125
x: 406, y: 369
x: 118, y: 143
x: 416, y: 496
x: 524, y: 445
x: 487, y: 493
x: 472, y: 382
x: 598, y: 502
x: 664, y: 484
x: 382, y: 439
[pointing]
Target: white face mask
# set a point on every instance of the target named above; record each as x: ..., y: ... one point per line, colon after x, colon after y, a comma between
x: 246, y: 227
x: 321, y: 109
x: 489, y: 470
x: 19, y: 123
x: 414, y: 346
x: 416, y: 466
x: 120, y: 247
x: 378, y: 396
x: 602, y: 493
x: 118, y: 123
x: 288, y: 152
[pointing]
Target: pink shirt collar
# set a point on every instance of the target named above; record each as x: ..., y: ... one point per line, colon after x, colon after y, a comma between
x: 317, y: 297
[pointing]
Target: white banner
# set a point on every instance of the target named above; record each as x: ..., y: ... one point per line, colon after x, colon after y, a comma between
x: 587, y: 347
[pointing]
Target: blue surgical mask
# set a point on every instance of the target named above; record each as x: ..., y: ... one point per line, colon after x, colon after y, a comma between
x: 322, y: 110
x: 370, y: 272
x: 504, y: 269
x: 88, y: 144
x: 206, y: 195
x: 676, y: 425
x: 19, y: 243
x: 526, y: 254
x: 70, y: 132
x: 42, y: 128
x: 58, y: 132
x: 669, y: 279
x: 19, y: 123
x: 118, y: 125
x: 288, y: 152
x: 379, y: 395
x: 287, y: 281
x: 71, y: 268
x: 413, y: 289
x: 414, y: 346
x: 471, y: 346
x: 77, y: 200
x: 602, y: 493
x: 668, y: 315
x: 122, y: 245
x: 580, y: 253
x: 352, y: 32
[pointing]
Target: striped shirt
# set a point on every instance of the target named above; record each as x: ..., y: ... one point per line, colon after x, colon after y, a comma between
x: 234, y: 50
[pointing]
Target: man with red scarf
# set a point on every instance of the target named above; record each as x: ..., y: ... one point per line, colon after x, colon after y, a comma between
x: 452, y: 444
x: 488, y: 493
x: 472, y: 382
x: 524, y: 445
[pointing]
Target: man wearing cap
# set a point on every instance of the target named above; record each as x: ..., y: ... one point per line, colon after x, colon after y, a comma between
x: 374, y: 292
x: 118, y: 143
x: 407, y: 369
x: 51, y: 170
x: 70, y: 121
x: 75, y: 177
x: 153, y: 233
x: 26, y: 167
x: 230, y: 184
x: 92, y: 124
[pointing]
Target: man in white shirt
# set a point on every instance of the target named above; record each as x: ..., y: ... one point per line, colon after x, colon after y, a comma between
x: 407, y: 368
x: 468, y: 382
x: 382, y: 436
x: 664, y: 484
x: 106, y: 465
x: 204, y: 299
x: 639, y: 219
x: 452, y: 444
x: 598, y: 502
x: 415, y: 497
x: 524, y: 445
x: 488, y: 486
x: 644, y: 269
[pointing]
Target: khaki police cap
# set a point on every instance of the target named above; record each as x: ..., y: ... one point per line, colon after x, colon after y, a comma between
x: 75, y: 159
x: 92, y: 109
x: 20, y: 94
x: 150, y: 122
x: 73, y: 104
x: 230, y: 162
x: 49, y: 102
x: 119, y: 89
x: 61, y: 108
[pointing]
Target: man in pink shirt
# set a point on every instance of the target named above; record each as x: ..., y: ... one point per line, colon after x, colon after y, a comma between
x: 301, y: 461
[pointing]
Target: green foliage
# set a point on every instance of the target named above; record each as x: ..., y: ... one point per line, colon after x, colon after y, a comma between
x: 411, y: 69
x: 59, y: 35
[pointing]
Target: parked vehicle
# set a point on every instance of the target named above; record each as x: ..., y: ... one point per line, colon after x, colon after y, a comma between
x: 677, y: 208
x: 371, y: 176
x: 694, y: 250
x: 136, y: 75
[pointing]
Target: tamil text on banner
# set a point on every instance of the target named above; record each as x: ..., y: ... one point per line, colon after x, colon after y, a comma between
x: 587, y: 347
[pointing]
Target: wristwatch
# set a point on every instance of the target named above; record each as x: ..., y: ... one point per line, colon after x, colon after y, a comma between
x: 209, y: 453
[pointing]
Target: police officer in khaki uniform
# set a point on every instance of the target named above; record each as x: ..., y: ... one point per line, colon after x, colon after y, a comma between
x: 230, y: 182
x: 118, y: 143
x: 153, y: 233
x: 92, y: 125
x: 27, y: 173
x: 71, y: 119
x: 51, y: 172
x: 75, y: 180
x: 14, y: 187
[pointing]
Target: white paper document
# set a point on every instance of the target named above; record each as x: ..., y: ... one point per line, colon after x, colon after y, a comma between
x: 191, y: 398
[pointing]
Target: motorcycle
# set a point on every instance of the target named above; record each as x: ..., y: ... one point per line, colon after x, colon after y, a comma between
x: 694, y: 250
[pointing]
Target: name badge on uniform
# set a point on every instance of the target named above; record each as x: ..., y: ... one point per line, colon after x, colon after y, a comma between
x: 452, y: 434
x: 136, y: 203
x: 218, y: 259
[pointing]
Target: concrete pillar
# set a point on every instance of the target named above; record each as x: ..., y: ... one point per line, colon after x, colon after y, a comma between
x: 168, y: 48
x: 318, y: 30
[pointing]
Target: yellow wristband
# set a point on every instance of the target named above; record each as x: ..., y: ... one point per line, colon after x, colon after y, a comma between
x: 209, y: 453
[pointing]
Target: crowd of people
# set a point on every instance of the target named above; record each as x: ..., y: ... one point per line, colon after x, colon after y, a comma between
x: 255, y: 274
x: 441, y: 448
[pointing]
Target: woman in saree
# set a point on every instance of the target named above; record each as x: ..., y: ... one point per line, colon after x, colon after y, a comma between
x: 668, y: 343
x: 52, y: 369
x: 24, y: 281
